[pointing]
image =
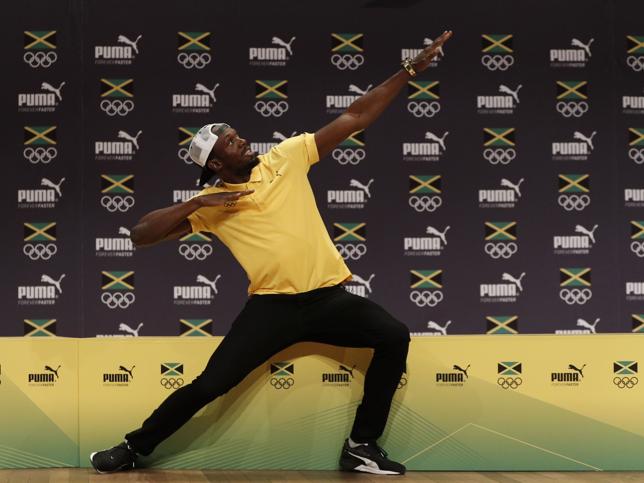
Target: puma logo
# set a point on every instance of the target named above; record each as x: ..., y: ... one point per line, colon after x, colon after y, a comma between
x: 277, y: 173
x: 346, y: 369
x: 129, y: 371
x: 46, y: 86
x: 130, y: 330
x: 516, y: 281
x: 580, y: 371
x: 459, y: 369
x: 56, y: 283
x: 55, y: 186
x: 132, y: 43
x: 282, y: 43
x: 55, y: 371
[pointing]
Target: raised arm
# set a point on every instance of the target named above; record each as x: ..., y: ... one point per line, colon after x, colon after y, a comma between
x: 172, y: 222
x: 367, y: 108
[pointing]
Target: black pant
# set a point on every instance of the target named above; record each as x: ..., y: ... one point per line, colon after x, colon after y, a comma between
x: 269, y: 323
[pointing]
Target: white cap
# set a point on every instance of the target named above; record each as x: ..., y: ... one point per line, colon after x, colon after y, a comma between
x: 203, y: 142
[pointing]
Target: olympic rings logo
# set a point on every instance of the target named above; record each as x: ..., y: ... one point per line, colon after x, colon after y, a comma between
x: 497, y: 62
x: 572, y: 109
x: 118, y: 300
x: 116, y: 107
x: 637, y: 155
x: 625, y: 382
x: 194, y: 251
x: 351, y: 251
x: 425, y: 203
x: 282, y: 382
x: 171, y: 382
x: 574, y: 202
x: 40, y: 251
x: 501, y: 250
x: 40, y: 59
x: 184, y: 155
x: 194, y: 60
x: 509, y: 382
x: 347, y: 61
x: 635, y: 63
x: 499, y: 155
x: 403, y: 382
x: 426, y: 298
x: 637, y: 247
x: 423, y: 108
x: 271, y: 108
x: 348, y: 156
x: 40, y: 154
x: 574, y: 296
x: 117, y: 203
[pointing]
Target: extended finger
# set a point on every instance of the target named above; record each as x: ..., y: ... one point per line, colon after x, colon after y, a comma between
x: 442, y: 38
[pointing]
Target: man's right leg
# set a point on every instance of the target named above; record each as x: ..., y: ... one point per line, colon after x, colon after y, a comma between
x: 265, y: 326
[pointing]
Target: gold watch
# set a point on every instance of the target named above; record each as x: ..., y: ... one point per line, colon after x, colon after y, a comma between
x: 408, y: 66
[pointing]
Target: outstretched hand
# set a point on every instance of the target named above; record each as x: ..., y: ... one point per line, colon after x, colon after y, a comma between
x: 422, y: 60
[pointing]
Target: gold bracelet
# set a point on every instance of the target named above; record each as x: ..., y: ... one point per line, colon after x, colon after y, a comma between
x: 407, y: 65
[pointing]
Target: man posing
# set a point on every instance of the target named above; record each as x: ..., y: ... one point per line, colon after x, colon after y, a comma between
x: 263, y: 209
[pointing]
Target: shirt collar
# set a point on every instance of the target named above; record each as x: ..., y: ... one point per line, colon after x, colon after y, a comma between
x: 255, y: 175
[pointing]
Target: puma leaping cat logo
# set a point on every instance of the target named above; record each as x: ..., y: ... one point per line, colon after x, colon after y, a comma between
x: 362, y: 281
x: 129, y: 371
x: 127, y: 328
x: 211, y: 92
x: 56, y: 283
x: 211, y: 283
x: 281, y: 43
x: 46, y: 86
x: 440, y: 140
x: 580, y: 371
x: 133, y: 139
x: 55, y: 371
x: 357, y: 184
x: 132, y: 43
x: 346, y: 369
x: 516, y: 281
x: 588, y: 325
x: 55, y: 186
x: 459, y: 369
x: 433, y: 325
x: 589, y: 233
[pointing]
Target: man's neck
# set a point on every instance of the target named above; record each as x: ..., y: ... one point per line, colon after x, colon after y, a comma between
x: 240, y: 177
x: 234, y: 178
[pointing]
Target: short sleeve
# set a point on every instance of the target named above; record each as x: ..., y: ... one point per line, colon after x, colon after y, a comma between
x: 299, y: 150
x: 311, y: 148
x: 197, y: 222
x: 202, y: 219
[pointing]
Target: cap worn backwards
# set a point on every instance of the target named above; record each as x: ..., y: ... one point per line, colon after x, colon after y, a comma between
x: 201, y: 146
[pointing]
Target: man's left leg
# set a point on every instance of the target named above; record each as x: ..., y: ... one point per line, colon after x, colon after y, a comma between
x: 339, y: 318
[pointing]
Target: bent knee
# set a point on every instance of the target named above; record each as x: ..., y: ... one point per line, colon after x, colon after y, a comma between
x: 398, y: 334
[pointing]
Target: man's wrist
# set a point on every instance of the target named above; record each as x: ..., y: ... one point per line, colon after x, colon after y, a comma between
x: 195, y: 202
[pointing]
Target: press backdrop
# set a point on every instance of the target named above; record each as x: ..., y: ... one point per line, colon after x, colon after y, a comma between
x: 502, y: 192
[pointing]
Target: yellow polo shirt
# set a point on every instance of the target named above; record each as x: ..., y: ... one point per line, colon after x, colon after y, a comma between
x: 276, y: 233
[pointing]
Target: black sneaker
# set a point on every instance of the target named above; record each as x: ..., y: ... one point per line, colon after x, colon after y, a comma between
x: 118, y: 458
x: 368, y: 458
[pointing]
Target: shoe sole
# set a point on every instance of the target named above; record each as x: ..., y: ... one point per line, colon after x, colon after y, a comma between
x: 374, y: 471
x: 357, y: 466
x: 120, y: 468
